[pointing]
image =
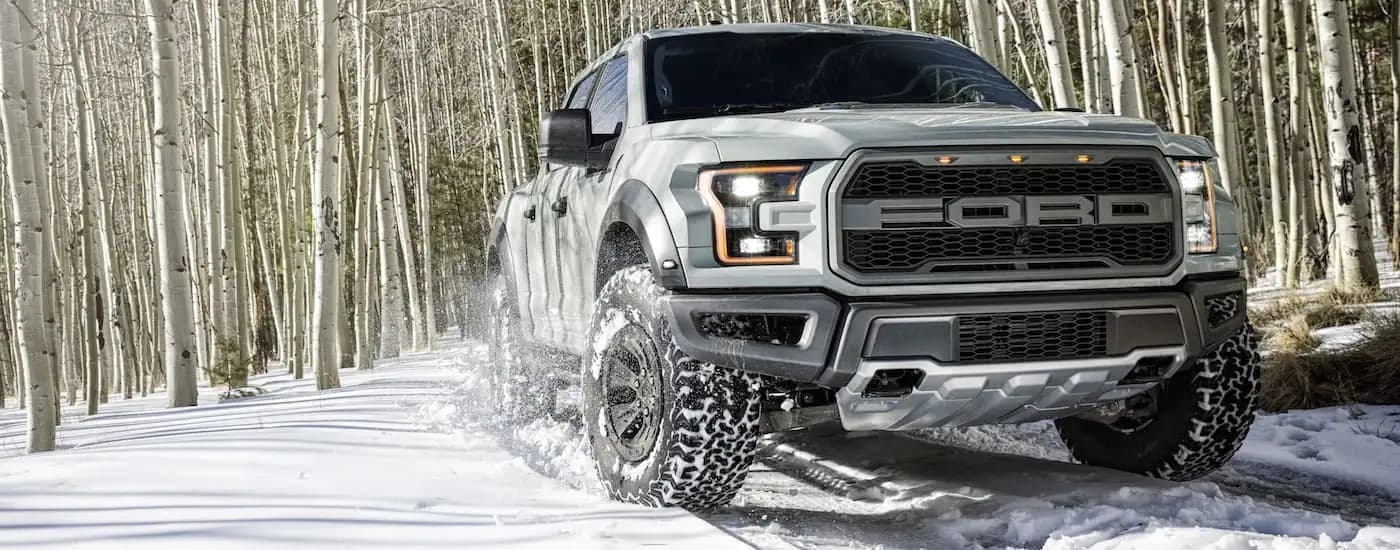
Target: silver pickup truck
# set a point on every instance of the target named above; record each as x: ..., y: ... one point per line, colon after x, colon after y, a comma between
x: 740, y: 228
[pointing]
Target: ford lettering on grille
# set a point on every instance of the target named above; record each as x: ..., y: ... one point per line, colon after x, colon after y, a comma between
x: 1006, y: 211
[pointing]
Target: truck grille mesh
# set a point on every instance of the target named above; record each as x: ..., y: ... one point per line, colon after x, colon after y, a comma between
x: 902, y: 179
x: 1047, y: 335
x: 910, y: 250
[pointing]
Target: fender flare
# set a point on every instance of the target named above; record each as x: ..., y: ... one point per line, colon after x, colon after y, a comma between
x: 636, y: 206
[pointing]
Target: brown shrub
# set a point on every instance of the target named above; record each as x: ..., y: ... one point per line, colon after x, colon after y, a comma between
x: 1329, y: 314
x: 1365, y: 372
x: 1293, y: 336
x: 1278, y: 310
x: 1364, y: 295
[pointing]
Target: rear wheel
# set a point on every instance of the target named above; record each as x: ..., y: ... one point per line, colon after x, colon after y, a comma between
x: 519, y: 393
x: 1185, y: 429
x: 666, y: 429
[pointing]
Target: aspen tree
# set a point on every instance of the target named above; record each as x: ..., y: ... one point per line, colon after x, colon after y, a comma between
x: 1122, y: 57
x: 1273, y: 140
x: 1221, y: 94
x: 87, y: 179
x: 1357, y: 261
x: 179, y: 345
x: 1300, y: 185
x: 28, y: 215
x: 326, y: 182
x: 1395, y: 135
x: 1056, y: 56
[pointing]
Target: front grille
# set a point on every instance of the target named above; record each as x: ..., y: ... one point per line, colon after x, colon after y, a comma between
x: 901, y: 179
x: 910, y: 251
x: 1049, y: 335
x: 1222, y: 307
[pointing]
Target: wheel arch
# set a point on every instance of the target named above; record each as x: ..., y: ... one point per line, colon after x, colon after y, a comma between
x: 634, y: 230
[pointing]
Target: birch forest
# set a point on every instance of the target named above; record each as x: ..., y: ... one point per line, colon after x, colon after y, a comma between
x: 199, y: 190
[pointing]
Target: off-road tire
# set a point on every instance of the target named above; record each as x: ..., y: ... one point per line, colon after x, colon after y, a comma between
x: 518, y: 394
x: 1203, y: 415
x: 706, y: 417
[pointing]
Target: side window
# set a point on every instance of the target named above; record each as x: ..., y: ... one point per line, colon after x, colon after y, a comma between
x: 578, y: 99
x: 608, y: 108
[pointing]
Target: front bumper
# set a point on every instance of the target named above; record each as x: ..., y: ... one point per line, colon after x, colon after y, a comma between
x: 844, y: 345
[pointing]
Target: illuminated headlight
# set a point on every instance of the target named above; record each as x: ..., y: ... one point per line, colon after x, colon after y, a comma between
x: 1197, y: 180
x: 733, y: 195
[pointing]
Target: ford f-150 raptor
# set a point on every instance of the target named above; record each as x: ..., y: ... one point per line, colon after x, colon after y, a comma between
x: 743, y: 227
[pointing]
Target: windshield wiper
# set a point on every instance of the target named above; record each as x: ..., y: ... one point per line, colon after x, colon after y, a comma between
x: 732, y: 109
x: 877, y: 104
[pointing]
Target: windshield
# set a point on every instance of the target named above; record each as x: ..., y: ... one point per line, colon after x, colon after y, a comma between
x: 730, y: 73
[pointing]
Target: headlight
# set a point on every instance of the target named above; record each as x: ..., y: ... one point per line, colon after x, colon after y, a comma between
x: 733, y: 195
x: 1197, y: 180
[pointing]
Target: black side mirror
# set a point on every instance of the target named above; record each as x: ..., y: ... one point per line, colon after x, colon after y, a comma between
x: 566, y: 136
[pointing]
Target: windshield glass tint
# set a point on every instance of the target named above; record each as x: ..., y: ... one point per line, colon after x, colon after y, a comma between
x: 703, y: 74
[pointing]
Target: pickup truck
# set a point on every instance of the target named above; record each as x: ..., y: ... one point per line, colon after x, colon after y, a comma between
x: 740, y: 228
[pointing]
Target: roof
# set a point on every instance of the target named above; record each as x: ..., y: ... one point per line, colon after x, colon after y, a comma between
x: 771, y: 28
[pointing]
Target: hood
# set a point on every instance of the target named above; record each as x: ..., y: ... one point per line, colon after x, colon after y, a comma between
x: 832, y: 134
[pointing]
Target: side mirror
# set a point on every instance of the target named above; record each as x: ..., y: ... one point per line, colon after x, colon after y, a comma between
x: 566, y: 136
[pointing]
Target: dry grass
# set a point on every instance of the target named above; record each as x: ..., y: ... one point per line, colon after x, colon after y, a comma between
x: 1331, y: 314
x: 1278, y: 310
x: 1332, y: 308
x: 1365, y: 295
x: 1366, y: 372
x: 1293, y: 336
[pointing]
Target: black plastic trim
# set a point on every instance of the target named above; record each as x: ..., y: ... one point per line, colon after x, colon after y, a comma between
x: 801, y: 363
x: 635, y: 205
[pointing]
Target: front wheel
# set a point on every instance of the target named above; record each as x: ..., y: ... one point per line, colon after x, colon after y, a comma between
x: 666, y: 429
x: 1185, y: 429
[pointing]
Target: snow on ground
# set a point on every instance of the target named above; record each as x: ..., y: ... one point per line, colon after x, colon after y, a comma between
x: 1011, y: 486
x: 405, y: 456
x: 349, y: 468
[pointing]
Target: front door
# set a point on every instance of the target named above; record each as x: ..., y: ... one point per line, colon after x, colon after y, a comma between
x: 579, y: 189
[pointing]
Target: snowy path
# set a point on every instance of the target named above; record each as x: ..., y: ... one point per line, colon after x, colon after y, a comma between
x: 1310, y: 479
x: 402, y: 457
x: 349, y: 468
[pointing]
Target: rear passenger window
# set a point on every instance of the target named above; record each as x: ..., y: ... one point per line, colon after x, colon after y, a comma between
x: 608, y: 108
x: 579, y: 98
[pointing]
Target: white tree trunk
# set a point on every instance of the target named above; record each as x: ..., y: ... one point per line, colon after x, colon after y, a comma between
x: 417, y: 331
x: 1300, y: 185
x: 180, y: 360
x: 325, y: 177
x: 1056, y: 55
x: 1395, y: 136
x: 1088, y: 52
x: 1122, y: 57
x: 28, y: 214
x: 1222, y: 102
x: 87, y: 179
x: 981, y: 30
x: 1357, y: 259
x: 391, y: 292
x: 1273, y: 139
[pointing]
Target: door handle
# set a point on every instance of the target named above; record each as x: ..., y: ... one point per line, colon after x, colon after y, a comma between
x: 530, y: 213
x: 560, y: 206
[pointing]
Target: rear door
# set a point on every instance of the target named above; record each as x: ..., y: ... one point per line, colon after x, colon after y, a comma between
x: 577, y: 203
